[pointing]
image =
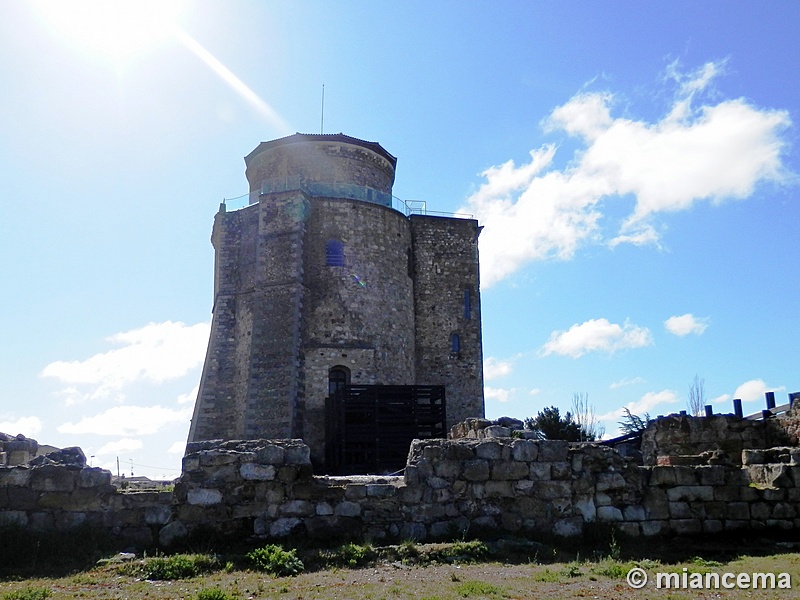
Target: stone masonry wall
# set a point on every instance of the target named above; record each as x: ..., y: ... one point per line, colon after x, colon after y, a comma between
x: 266, y: 489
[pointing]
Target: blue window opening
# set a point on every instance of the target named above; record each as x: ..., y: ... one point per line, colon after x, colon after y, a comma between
x: 334, y: 253
x: 455, y: 343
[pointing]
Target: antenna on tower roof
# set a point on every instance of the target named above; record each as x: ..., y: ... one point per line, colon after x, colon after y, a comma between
x: 322, y: 117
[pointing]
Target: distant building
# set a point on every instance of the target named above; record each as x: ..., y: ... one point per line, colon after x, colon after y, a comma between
x: 338, y: 319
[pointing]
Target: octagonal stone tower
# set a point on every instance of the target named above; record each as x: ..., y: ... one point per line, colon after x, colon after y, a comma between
x: 319, y: 283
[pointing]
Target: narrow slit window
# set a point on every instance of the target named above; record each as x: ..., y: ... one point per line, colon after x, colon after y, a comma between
x: 467, y: 304
x: 455, y: 343
x: 334, y: 253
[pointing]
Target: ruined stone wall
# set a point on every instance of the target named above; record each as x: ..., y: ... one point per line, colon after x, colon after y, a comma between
x: 668, y: 438
x: 47, y: 498
x: 447, y: 301
x: 266, y: 489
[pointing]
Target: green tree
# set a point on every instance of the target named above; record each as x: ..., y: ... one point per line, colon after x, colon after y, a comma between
x: 548, y: 424
x: 634, y: 423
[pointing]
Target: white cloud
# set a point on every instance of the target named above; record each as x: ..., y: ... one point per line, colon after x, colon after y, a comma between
x: 494, y: 368
x: 685, y: 324
x: 190, y: 396
x: 535, y: 392
x: 128, y: 421
x: 123, y: 445
x: 596, y: 335
x: 754, y: 390
x: 624, y: 382
x: 156, y: 352
x: 643, y: 405
x: 497, y: 394
x: 27, y: 426
x: 720, y: 400
x: 712, y: 152
x: 178, y: 447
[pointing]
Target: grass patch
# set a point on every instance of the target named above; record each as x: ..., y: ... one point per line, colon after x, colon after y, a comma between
x: 213, y: 594
x: 469, y: 589
x: 463, y: 552
x: 30, y: 593
x: 274, y: 559
x: 168, y: 568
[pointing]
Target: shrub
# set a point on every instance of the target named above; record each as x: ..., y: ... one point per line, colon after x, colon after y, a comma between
x: 178, y: 566
x: 353, y: 555
x: 276, y: 560
x: 28, y: 594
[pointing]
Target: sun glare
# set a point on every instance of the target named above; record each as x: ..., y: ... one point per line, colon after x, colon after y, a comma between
x: 113, y: 30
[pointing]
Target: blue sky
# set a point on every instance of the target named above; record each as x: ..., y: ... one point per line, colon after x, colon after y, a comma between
x: 634, y: 166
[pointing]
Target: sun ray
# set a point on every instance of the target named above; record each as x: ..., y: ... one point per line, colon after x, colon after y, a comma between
x: 239, y: 86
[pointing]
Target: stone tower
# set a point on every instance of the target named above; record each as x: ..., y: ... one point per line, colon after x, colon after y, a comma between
x: 319, y: 283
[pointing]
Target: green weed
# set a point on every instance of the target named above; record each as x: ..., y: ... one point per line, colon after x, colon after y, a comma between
x: 274, y: 559
x: 479, y: 588
x: 213, y: 594
x: 167, y: 568
x: 28, y: 594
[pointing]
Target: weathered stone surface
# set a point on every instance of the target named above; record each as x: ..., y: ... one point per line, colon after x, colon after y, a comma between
x: 524, y: 450
x: 257, y: 472
x: 476, y: 470
x: 204, y: 496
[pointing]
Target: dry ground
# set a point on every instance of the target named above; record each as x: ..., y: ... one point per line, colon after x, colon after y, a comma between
x: 603, y: 578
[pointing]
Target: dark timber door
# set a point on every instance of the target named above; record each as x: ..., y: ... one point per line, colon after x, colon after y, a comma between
x: 370, y: 427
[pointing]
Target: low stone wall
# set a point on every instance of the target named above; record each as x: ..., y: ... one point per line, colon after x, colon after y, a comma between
x: 682, y: 435
x: 266, y: 489
x: 57, y: 497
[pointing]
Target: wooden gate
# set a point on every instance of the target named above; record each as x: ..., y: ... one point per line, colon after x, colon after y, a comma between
x: 369, y: 428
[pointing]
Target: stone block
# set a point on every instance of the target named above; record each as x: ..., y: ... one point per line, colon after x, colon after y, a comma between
x: 476, y: 470
x: 157, y: 515
x: 560, y: 470
x: 549, y: 490
x: 499, y: 489
x: 679, y: 510
x: 610, y: 481
x: 524, y: 450
x: 737, y: 511
x: 771, y: 495
x: 569, y: 527
x: 651, y: 528
x: 760, y: 511
x: 728, y: 493
x: 628, y: 529
x: 685, y: 476
x: 459, y: 452
x: 540, y: 471
x: 662, y: 476
x: 381, y: 490
x: 713, y: 526
x: 609, y: 513
x: 287, y: 474
x: 524, y: 487
x: 447, y: 469
x: 686, y: 526
x: 783, y: 510
x: 270, y: 455
x: 297, y: 455
x: 217, y: 458
x: 53, y: 478
x: 409, y: 494
x: 204, y: 496
x: 251, y: 471
x: 529, y: 508
x: 283, y: 527
x: 553, y: 451
x: 510, y: 521
x: 171, y: 533
x: 634, y: 513
x: 503, y: 470
x: 496, y: 431
x: 13, y: 518
x: 15, y: 477
x: 690, y: 493
x: 711, y: 475
x: 296, y: 508
x: 489, y: 450
x: 586, y: 507
x: 347, y: 508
